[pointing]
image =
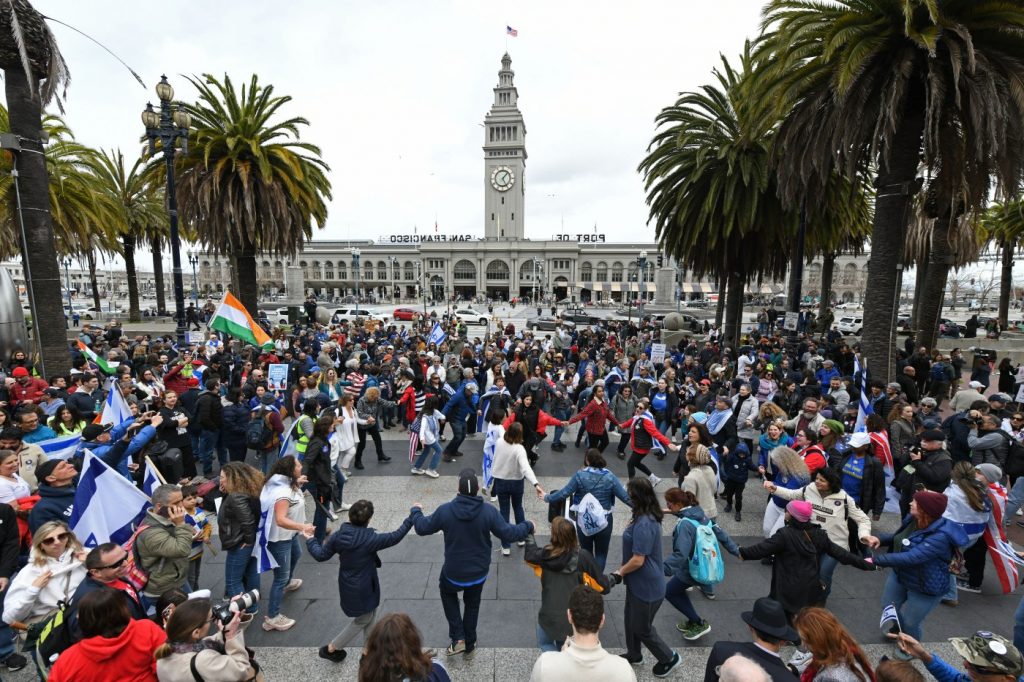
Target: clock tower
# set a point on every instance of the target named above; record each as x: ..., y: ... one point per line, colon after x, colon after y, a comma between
x: 504, y: 160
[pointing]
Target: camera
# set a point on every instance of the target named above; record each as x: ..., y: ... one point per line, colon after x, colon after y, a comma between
x: 971, y: 421
x: 225, y: 611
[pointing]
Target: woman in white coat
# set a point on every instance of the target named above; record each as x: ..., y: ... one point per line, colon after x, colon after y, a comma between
x: 745, y: 411
x: 347, y: 434
x: 54, y: 570
x: 509, y: 468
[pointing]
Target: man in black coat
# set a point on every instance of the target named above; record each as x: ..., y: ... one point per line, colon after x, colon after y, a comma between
x: 208, y: 420
x: 769, y: 631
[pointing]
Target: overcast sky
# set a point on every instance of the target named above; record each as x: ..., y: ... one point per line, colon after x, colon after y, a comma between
x: 395, y: 93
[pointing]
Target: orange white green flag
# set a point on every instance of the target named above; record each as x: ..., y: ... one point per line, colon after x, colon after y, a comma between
x: 232, y: 318
x: 95, y: 359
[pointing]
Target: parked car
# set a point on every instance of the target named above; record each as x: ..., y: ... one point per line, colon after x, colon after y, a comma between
x: 579, y: 316
x: 851, y: 325
x: 470, y: 316
x: 547, y: 323
x: 406, y: 314
x: 340, y: 314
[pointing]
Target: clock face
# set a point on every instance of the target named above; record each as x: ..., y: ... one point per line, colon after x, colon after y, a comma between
x: 502, y: 178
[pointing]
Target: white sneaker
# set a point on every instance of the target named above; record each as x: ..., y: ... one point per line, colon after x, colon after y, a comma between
x: 344, y: 507
x: 521, y: 543
x: 432, y: 473
x: 654, y: 480
x: 293, y: 584
x: 417, y: 472
x: 494, y: 498
x: 506, y: 551
x: 278, y: 622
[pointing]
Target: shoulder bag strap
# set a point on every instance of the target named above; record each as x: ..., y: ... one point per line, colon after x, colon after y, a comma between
x: 195, y: 671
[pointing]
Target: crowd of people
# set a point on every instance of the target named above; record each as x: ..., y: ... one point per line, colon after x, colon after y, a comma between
x: 830, y: 449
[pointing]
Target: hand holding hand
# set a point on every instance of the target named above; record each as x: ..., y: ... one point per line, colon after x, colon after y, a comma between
x: 870, y: 541
x: 673, y: 447
x: 302, y: 480
x: 769, y: 486
x: 540, y: 493
x: 156, y: 421
x: 306, y: 533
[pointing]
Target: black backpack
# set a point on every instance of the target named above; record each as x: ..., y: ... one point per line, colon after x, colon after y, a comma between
x: 1014, y: 457
x: 258, y: 433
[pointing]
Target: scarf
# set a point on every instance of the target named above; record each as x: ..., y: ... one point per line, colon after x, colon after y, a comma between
x: 655, y: 443
x: 717, y: 419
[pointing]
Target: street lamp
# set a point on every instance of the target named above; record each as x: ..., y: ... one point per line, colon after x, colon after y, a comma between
x: 67, y: 278
x: 420, y: 284
x: 193, y: 260
x: 169, y: 125
x: 394, y: 265
x: 536, y: 269
x: 641, y: 263
x: 355, y: 268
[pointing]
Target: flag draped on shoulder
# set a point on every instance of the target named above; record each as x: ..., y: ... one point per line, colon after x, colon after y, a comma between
x: 91, y: 356
x: 62, y: 447
x: 995, y: 540
x: 879, y: 439
x: 107, y: 506
x: 277, y: 487
x: 233, y: 319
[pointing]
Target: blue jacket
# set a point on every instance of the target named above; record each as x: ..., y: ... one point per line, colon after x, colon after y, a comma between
x: 468, y: 524
x: 678, y: 563
x: 737, y: 464
x: 824, y: 376
x: 54, y: 505
x: 357, y: 547
x: 235, y: 420
x: 922, y: 564
x: 601, y: 483
x: 144, y: 435
x: 459, y: 407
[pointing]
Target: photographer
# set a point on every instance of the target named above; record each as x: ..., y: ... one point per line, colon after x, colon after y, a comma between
x: 930, y: 468
x: 988, y: 442
x: 189, y: 654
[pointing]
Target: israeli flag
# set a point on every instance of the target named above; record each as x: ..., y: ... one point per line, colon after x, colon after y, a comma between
x: 115, y: 409
x: 405, y: 334
x: 865, y: 405
x: 437, y: 335
x: 151, y: 479
x: 490, y: 444
x: 61, y: 447
x: 889, y: 615
x: 107, y: 506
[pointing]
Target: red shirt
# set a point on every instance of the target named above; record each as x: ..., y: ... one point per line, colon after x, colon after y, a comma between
x: 126, y: 658
x: 596, y: 414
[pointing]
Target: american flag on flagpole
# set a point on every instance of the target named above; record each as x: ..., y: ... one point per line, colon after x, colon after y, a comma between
x: 511, y: 31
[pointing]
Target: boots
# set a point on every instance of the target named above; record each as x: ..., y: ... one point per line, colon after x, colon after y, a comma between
x: 728, y: 506
x: 737, y: 517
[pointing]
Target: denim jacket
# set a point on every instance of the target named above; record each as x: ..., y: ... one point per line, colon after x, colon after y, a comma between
x: 601, y: 483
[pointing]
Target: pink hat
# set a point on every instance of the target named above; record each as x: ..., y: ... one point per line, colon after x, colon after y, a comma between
x: 800, y: 510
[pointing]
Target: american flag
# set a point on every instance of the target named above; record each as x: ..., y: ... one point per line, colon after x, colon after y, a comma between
x: 995, y: 537
x: 511, y: 31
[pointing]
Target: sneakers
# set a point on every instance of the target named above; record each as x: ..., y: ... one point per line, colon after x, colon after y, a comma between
x: 632, y: 661
x: 15, y: 662
x: 448, y: 458
x: 506, y: 551
x: 738, y: 517
x: 344, y: 507
x: 964, y: 586
x: 521, y: 543
x: 293, y: 584
x: 279, y: 622
x: 708, y: 595
x: 654, y: 480
x: 693, y: 631
x: 951, y: 603
x: 728, y: 507
x: 417, y: 472
x: 663, y: 669
x: 337, y: 656
x: 458, y: 647
x: 431, y: 473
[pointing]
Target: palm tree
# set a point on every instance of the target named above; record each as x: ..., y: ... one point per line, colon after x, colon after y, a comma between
x: 133, y: 204
x: 248, y: 184
x: 34, y: 70
x: 1004, y: 223
x: 897, y: 84
x: 712, y: 189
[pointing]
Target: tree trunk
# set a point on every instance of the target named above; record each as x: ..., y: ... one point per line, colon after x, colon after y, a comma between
x: 734, y: 311
x: 828, y: 267
x: 1006, y: 282
x: 896, y: 185
x: 720, y: 304
x: 95, y: 285
x: 919, y: 287
x: 39, y: 253
x: 245, y: 271
x: 158, y: 276
x: 129, y: 242
x: 933, y: 286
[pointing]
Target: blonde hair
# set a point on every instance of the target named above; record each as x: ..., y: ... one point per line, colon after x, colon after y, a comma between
x: 698, y: 455
x: 788, y: 463
x: 372, y: 393
x: 44, y: 531
x: 770, y: 412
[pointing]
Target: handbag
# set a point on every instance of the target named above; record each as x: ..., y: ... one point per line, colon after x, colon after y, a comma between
x: 255, y: 673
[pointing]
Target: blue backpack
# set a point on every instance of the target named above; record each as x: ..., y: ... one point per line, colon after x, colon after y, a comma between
x: 706, y: 565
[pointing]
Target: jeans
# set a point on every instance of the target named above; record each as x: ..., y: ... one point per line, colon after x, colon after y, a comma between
x: 677, y: 596
x: 560, y: 415
x: 1018, y: 626
x: 912, y: 607
x: 1015, y: 500
x: 341, y: 480
x: 639, y: 627
x: 240, y: 573
x: 597, y: 544
x: 363, y: 623
x: 509, y: 493
x: 826, y: 567
x: 207, y: 440
x: 286, y: 553
x: 267, y: 459
x: 6, y: 634
x: 461, y: 624
x: 458, y: 435
x: 545, y: 643
x: 434, y: 448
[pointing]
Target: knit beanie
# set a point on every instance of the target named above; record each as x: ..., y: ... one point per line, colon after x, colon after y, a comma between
x: 991, y: 472
x: 800, y: 510
x: 932, y: 504
x: 834, y: 426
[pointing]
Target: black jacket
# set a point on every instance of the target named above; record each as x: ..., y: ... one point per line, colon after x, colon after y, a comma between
x: 872, y: 489
x: 317, y: 464
x: 10, y: 541
x: 559, y: 576
x: 209, y: 411
x: 237, y: 520
x: 722, y: 651
x: 797, y: 549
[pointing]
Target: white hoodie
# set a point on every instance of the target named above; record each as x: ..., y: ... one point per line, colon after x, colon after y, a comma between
x: 27, y: 603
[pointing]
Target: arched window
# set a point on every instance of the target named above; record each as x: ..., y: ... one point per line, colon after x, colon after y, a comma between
x: 342, y: 271
x: 633, y: 268
x: 464, y: 271
x: 530, y: 270
x: 586, y: 272
x: 814, y: 274
x: 850, y: 274
x: 328, y: 270
x: 382, y: 271
x: 497, y: 270
x: 616, y: 272
x: 367, y: 270
x: 410, y: 271
x: 602, y: 272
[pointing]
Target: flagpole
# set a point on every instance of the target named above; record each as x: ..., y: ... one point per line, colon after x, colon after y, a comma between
x: 156, y: 470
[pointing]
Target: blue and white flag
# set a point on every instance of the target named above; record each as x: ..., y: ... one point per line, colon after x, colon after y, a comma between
x: 151, y: 478
x: 61, y: 447
x: 490, y: 443
x: 889, y: 615
x: 276, y: 488
x: 437, y: 335
x: 115, y: 409
x: 288, y: 443
x: 107, y: 506
x: 404, y: 334
x: 864, y: 409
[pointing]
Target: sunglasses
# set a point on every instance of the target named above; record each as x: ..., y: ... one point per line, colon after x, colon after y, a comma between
x: 117, y: 564
x: 54, y: 539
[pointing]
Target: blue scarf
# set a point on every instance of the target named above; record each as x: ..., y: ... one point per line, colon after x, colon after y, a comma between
x: 718, y: 419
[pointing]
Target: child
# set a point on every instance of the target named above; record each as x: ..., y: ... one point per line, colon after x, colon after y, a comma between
x: 429, y: 433
x: 196, y: 518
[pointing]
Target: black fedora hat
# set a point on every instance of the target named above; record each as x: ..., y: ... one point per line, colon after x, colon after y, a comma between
x: 769, y: 617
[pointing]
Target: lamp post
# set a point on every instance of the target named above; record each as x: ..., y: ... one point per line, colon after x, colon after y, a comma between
x: 394, y: 295
x: 355, y: 268
x: 193, y: 260
x: 169, y: 125
x: 420, y: 279
x: 536, y: 276
x: 67, y: 279
x: 641, y: 263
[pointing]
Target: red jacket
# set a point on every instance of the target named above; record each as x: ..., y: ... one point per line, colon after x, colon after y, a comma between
x: 814, y: 458
x: 31, y: 392
x: 175, y: 381
x: 544, y: 420
x: 596, y: 414
x: 650, y: 428
x: 126, y: 658
x: 408, y: 400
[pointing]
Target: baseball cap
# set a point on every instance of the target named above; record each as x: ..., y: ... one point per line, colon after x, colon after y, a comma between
x: 859, y: 439
x: 989, y: 652
x: 468, y: 484
x: 91, y: 431
x: 976, y: 384
x: 933, y: 434
x: 999, y: 397
x: 19, y: 372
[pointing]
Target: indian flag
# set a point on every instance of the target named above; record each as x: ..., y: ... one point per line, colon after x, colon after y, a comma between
x: 105, y: 367
x: 232, y: 318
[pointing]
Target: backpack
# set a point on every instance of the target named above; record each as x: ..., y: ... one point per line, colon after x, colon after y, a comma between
x: 52, y: 635
x: 137, y: 576
x: 591, y: 517
x: 938, y: 373
x: 258, y: 433
x: 706, y: 565
x: 1014, y: 457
